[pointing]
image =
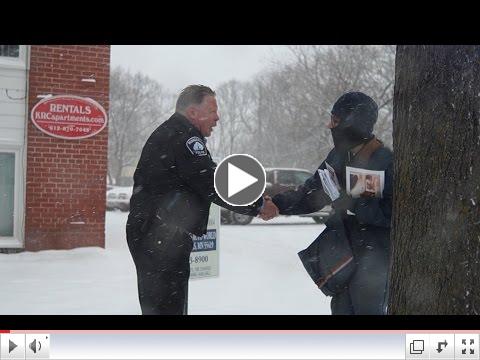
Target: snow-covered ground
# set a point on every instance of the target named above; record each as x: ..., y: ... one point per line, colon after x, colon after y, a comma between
x: 260, y: 273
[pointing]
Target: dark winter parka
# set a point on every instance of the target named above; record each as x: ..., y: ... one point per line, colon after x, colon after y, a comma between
x: 366, y: 220
x: 368, y: 229
x: 174, y: 180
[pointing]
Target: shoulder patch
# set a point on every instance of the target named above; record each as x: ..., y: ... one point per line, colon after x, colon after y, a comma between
x: 196, y: 146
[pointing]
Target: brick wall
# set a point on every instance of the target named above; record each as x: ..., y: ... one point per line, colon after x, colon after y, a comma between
x: 66, y: 179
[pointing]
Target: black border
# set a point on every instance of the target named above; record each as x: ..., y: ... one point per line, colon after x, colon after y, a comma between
x: 243, y: 24
x: 237, y: 322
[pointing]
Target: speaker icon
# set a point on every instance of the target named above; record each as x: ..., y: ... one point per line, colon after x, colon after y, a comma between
x: 35, y: 346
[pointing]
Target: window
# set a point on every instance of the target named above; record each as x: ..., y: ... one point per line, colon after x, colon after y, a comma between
x: 301, y: 177
x: 10, y: 51
x: 14, y: 56
x: 292, y: 177
x: 11, y: 195
x: 270, y: 177
x: 286, y: 177
x: 7, y: 192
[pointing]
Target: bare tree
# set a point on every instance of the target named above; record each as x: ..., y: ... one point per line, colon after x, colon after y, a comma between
x: 236, y: 119
x: 436, y: 222
x: 137, y: 105
x: 280, y: 115
x: 326, y: 72
x: 294, y: 100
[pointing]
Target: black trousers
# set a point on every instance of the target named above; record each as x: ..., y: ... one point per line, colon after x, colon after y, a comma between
x: 162, y: 259
x: 366, y: 293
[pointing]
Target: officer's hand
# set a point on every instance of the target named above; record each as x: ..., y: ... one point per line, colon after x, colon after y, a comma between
x: 269, y: 209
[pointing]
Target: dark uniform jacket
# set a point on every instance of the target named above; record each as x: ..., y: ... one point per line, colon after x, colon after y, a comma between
x: 174, y: 179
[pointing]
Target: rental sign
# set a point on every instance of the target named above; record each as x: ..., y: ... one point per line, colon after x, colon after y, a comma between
x: 69, y: 117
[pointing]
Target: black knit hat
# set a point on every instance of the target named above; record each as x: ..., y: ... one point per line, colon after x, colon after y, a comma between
x: 357, y: 111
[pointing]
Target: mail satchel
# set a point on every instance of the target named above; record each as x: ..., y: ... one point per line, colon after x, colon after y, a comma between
x: 329, y: 258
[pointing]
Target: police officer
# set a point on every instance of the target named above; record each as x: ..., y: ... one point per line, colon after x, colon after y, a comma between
x: 366, y: 219
x: 172, y: 193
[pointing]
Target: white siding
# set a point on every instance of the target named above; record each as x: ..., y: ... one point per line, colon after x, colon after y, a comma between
x: 13, y: 119
x: 13, y: 100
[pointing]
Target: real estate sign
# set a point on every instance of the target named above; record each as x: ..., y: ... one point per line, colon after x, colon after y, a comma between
x: 204, y: 256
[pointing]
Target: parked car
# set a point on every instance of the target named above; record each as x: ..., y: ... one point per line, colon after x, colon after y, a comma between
x: 119, y: 198
x: 279, y: 180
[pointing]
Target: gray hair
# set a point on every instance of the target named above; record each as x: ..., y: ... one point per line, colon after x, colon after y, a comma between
x: 192, y: 94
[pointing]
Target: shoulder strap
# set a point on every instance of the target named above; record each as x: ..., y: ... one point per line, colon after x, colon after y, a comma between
x: 362, y: 157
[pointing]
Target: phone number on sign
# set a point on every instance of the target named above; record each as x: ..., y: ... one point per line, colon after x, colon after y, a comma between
x: 198, y: 259
x: 70, y: 129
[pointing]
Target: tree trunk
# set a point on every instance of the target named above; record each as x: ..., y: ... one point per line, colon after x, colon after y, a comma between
x: 436, y: 223
x: 118, y: 176
x: 110, y: 179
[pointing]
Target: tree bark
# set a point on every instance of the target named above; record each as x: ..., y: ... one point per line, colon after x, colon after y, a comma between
x: 436, y: 213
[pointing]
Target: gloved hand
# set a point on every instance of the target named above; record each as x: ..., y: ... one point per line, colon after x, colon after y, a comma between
x: 344, y: 202
x: 367, y: 195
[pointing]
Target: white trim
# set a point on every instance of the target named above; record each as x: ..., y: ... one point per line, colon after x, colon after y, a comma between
x: 17, y: 240
x: 27, y: 57
x: 18, y: 147
x: 23, y: 198
x: 284, y: 168
x: 15, y: 63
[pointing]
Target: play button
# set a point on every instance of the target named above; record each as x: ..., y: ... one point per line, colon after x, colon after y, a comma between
x: 239, y: 179
x: 11, y: 346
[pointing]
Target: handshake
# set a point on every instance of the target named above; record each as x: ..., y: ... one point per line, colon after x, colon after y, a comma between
x: 269, y: 209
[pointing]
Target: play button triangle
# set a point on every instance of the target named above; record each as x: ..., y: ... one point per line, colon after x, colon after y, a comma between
x: 238, y: 180
x: 11, y: 346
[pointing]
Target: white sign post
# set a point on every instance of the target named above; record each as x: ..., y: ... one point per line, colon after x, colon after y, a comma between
x: 204, y: 256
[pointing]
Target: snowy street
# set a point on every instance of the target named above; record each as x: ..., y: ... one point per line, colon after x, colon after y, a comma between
x: 260, y: 273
